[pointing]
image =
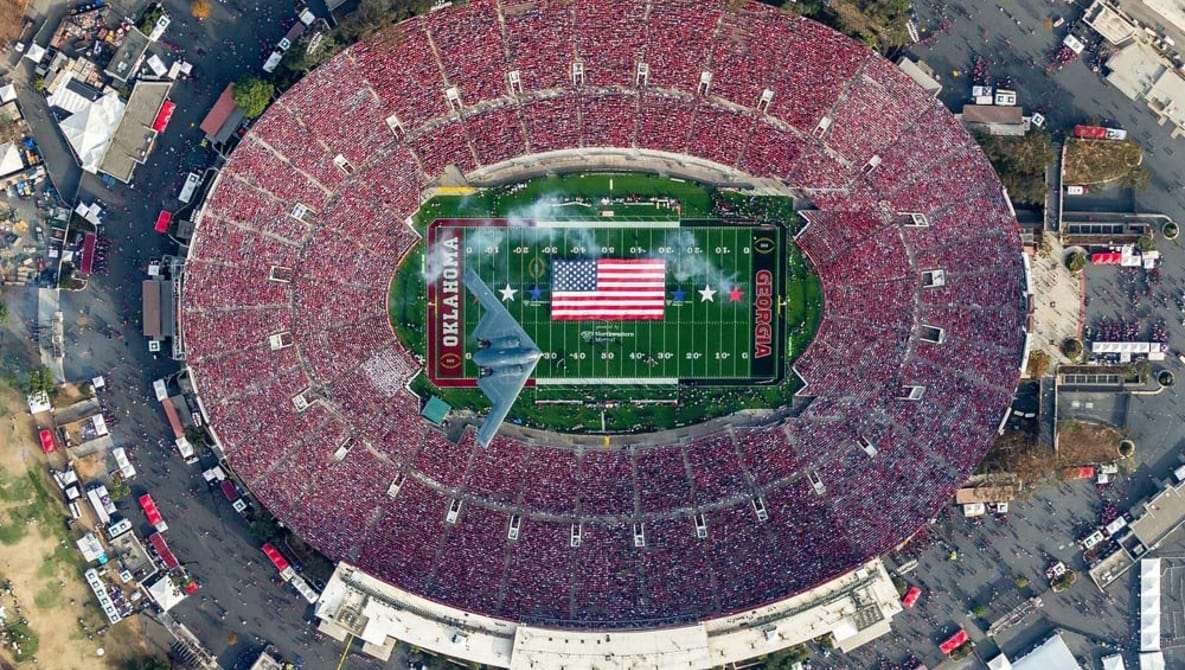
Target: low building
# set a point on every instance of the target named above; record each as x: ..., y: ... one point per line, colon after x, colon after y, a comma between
x: 144, y: 118
x: 83, y: 428
x: 127, y: 550
x: 1111, y: 24
x: 1007, y: 120
x: 1141, y: 73
x: 159, y: 310
x: 970, y: 495
x: 267, y: 661
x: 853, y: 609
x: 223, y: 119
x: 1154, y: 520
x: 129, y: 56
x: 1052, y: 654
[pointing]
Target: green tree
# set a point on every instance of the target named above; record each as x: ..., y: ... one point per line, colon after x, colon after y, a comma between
x: 980, y: 610
x: 253, y: 95
x: 119, y: 490
x: 39, y: 379
x: 3, y: 314
x: 1020, y: 162
x: 1021, y: 582
x: 151, y: 15
x: 1146, y: 242
x: 195, y: 435
x: 300, y: 60
x: 1072, y: 348
x: 372, y: 16
x: 1077, y: 261
x: 265, y: 528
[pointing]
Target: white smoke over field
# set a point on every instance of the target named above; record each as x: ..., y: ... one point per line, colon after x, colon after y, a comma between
x: 574, y: 242
x: 690, y: 267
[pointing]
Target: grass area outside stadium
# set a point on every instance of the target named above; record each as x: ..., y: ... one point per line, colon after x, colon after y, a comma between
x: 619, y: 408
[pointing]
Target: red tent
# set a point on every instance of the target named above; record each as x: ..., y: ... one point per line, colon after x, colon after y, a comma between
x: 911, y: 597
x: 1090, y: 132
x: 162, y: 221
x: 1106, y: 258
x: 953, y: 642
x: 229, y: 490
x: 163, y: 115
x: 47, y: 441
x: 88, y: 252
x: 162, y: 549
x: 275, y: 557
x: 150, y: 510
x: 191, y: 588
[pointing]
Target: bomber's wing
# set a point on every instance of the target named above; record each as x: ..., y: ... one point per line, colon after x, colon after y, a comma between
x: 497, y: 322
x: 502, y: 390
x: 503, y: 383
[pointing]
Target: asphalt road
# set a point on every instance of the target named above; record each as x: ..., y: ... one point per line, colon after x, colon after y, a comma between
x: 239, y: 597
x: 241, y: 604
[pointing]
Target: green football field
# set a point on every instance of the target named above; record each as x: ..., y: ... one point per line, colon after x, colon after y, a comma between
x: 722, y: 316
x: 615, y: 376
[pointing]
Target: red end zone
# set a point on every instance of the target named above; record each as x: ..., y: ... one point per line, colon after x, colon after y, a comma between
x: 445, y: 266
x: 447, y: 299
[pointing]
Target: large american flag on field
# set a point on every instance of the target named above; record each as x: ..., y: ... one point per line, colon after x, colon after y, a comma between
x: 618, y: 289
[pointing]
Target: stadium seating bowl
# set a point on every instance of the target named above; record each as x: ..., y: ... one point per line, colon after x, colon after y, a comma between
x: 307, y: 223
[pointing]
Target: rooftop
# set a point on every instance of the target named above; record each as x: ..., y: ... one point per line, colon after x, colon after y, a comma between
x: 1109, y: 23
x: 219, y: 114
x: 127, y: 58
x: 1159, y: 516
x: 855, y: 607
x: 135, y: 135
x: 1135, y: 68
x: 993, y: 114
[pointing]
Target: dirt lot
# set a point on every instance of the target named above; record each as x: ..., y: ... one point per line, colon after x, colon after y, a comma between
x: 1082, y: 443
x: 12, y: 13
x: 1090, y: 162
x: 40, y: 570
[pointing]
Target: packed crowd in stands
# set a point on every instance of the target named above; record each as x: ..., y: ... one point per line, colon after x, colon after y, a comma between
x: 320, y: 189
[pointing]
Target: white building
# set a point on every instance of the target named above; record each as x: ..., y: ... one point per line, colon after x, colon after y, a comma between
x: 854, y: 608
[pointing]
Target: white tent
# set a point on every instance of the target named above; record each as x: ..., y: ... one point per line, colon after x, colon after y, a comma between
x: 7, y: 93
x: 1052, y: 654
x: 35, y: 53
x: 1113, y: 662
x: 90, y: 130
x: 10, y: 159
x: 1000, y: 662
x: 1149, y: 604
x: 165, y: 593
x: 1152, y: 660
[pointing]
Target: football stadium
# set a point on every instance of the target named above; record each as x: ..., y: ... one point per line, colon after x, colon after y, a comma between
x: 751, y: 303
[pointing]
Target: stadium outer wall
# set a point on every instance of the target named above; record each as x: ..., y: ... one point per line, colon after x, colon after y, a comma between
x: 855, y: 608
x: 932, y: 479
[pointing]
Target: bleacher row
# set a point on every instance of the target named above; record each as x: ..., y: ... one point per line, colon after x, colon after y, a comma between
x: 317, y: 195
